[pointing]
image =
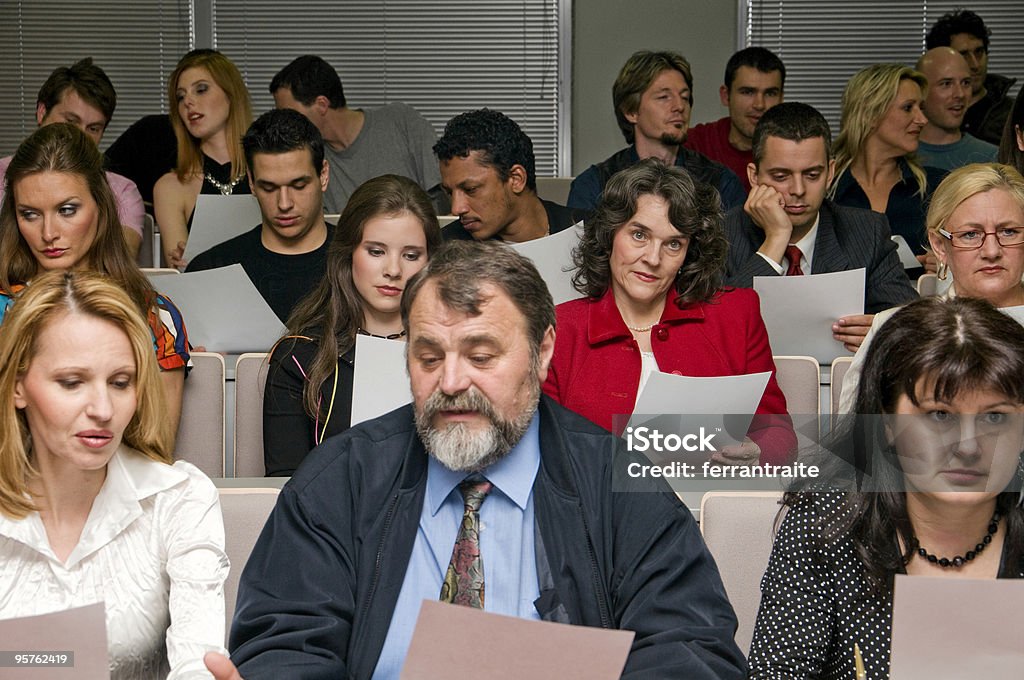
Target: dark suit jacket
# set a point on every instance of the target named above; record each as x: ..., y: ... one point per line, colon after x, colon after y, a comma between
x: 848, y: 238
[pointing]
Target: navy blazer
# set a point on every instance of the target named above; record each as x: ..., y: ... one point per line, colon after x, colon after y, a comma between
x: 848, y: 238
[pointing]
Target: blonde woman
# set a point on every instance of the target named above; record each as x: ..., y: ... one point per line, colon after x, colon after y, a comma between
x: 210, y: 111
x: 875, y: 163
x: 976, y: 230
x: 91, y: 507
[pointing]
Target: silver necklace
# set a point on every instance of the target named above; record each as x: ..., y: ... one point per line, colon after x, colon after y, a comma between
x: 224, y: 189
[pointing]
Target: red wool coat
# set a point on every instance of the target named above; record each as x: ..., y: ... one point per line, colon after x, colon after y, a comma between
x: 595, y: 370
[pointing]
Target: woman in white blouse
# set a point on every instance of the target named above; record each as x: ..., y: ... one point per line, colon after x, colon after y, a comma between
x: 91, y: 507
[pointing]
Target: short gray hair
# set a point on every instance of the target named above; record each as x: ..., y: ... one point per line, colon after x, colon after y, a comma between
x: 461, y: 268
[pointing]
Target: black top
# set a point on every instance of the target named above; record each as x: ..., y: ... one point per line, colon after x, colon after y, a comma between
x: 560, y: 218
x: 222, y: 173
x: 144, y: 152
x: 986, y: 117
x: 282, y: 280
x: 816, y: 603
x: 289, y: 433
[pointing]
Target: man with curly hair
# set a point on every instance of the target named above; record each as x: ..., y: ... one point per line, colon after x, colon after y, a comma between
x: 990, y: 103
x: 488, y: 172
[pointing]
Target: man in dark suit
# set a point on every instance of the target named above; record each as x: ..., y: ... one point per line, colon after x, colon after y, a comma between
x: 786, y: 227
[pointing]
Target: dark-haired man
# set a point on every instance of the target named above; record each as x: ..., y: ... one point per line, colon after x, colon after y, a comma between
x: 286, y: 255
x: 551, y: 528
x: 652, y: 97
x: 754, y: 78
x: 787, y: 227
x: 82, y: 95
x: 359, y: 144
x: 487, y: 170
x: 990, y: 102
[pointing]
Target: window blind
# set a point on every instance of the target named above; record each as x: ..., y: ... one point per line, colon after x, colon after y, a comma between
x: 137, y: 44
x: 824, y: 43
x: 440, y: 58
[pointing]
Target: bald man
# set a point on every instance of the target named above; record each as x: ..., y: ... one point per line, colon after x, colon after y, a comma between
x: 942, y: 144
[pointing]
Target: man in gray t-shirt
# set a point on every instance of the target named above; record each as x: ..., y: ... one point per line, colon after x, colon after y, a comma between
x: 360, y: 145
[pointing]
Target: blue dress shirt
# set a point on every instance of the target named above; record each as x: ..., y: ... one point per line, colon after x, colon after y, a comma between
x: 506, y: 545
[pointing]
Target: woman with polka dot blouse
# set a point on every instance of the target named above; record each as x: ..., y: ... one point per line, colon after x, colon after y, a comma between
x: 939, y: 498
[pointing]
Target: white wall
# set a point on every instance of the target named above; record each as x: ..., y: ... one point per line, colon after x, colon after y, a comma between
x: 606, y: 32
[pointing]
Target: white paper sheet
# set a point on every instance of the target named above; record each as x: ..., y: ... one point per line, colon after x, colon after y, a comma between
x: 222, y: 309
x: 905, y: 253
x: 81, y: 632
x: 380, y: 383
x: 1016, y: 313
x: 219, y: 218
x: 508, y: 648
x: 552, y: 255
x: 799, y: 311
x: 667, y: 396
x: 950, y: 628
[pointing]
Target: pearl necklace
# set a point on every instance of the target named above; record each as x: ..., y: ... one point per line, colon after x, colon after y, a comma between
x: 224, y: 189
x: 642, y: 329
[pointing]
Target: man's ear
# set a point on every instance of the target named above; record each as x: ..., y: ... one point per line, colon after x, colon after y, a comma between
x: 544, y: 354
x: 321, y: 105
x: 831, y: 172
x: 40, y: 113
x: 723, y: 95
x: 325, y: 175
x: 517, y: 179
x: 631, y: 116
x: 752, y: 174
x: 252, y: 182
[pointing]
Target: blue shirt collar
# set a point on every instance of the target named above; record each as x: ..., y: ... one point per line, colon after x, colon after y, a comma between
x: 513, y: 475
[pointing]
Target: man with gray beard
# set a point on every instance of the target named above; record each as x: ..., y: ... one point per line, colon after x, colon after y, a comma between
x: 480, y: 481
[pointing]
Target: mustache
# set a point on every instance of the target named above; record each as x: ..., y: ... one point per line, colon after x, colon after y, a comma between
x: 469, y: 400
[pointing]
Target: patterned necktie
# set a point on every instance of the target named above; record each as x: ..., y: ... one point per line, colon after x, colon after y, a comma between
x: 794, y: 256
x: 464, y: 581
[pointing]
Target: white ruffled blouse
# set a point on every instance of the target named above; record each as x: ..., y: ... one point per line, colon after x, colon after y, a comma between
x: 152, y: 550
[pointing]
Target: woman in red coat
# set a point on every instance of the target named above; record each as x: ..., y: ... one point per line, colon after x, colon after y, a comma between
x: 650, y: 265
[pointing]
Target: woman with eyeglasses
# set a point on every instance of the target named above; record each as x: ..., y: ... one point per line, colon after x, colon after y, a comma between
x: 975, y: 227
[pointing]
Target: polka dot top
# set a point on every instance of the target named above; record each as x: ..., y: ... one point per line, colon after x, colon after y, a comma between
x: 816, y: 603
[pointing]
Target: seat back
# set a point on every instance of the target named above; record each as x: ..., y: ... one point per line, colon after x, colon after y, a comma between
x: 737, y: 528
x: 147, y: 256
x: 799, y: 379
x: 200, y: 438
x: 839, y: 368
x: 554, y: 189
x: 250, y: 380
x: 245, y: 512
x: 150, y: 272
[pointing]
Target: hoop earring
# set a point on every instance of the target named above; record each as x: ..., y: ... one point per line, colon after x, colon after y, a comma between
x: 941, y: 271
x: 1020, y: 475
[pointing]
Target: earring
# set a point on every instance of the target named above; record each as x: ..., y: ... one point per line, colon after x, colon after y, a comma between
x: 942, y: 271
x: 1020, y: 476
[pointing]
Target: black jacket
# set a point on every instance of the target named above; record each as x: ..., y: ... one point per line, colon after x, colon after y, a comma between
x: 987, y: 116
x: 317, y: 594
x: 848, y: 238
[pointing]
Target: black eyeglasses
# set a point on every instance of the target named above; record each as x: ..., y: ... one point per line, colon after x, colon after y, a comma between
x: 972, y: 239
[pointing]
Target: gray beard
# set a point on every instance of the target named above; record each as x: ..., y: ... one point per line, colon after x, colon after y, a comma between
x: 462, y: 448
